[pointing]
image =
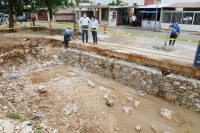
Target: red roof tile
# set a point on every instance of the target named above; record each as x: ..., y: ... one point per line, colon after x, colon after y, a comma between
x: 185, y: 5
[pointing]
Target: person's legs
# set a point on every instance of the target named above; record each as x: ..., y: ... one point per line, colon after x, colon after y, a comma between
x: 170, y: 41
x: 83, y: 35
x: 96, y: 38
x: 86, y: 35
x: 93, y: 35
x: 66, y: 44
x: 174, y: 37
x: 132, y: 23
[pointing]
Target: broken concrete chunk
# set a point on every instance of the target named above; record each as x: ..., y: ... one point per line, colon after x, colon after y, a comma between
x: 154, y: 128
x: 8, y: 127
x: 105, y: 96
x: 70, y: 108
x: 197, y: 105
x: 138, y: 128
x: 42, y: 89
x: 5, y: 107
x: 130, y: 99
x: 55, y: 57
x: 25, y: 123
x: 101, y: 88
x: 91, y: 84
x: 167, y: 114
x: 127, y: 110
x: 166, y: 132
x: 72, y: 74
x: 137, y: 103
x: 109, y: 103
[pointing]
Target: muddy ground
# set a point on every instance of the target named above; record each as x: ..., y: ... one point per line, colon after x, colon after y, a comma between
x: 38, y: 64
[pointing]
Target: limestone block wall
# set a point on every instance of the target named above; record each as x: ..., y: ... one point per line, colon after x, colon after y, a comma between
x: 180, y: 90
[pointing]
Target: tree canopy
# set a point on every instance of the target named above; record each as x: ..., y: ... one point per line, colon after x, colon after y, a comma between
x: 116, y: 3
x: 18, y: 6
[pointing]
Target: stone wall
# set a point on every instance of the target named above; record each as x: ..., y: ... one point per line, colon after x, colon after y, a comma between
x: 180, y: 90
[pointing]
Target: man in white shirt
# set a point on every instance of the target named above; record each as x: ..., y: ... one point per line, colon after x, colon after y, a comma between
x: 94, y: 25
x: 84, y: 24
x: 133, y: 20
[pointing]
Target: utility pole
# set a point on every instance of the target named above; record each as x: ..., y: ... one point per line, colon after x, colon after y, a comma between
x: 156, y: 27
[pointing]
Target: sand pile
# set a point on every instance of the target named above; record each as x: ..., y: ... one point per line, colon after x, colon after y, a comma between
x: 121, y: 37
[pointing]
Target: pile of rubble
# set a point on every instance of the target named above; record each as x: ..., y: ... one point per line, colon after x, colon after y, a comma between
x: 122, y: 38
x: 11, y: 126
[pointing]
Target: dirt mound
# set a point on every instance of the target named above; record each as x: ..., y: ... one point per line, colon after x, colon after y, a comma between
x: 14, y: 51
x: 120, y: 37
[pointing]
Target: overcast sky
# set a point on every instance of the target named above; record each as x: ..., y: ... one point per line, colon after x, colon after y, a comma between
x: 141, y: 2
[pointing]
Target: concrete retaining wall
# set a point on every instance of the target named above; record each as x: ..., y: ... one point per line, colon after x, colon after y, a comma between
x: 180, y: 90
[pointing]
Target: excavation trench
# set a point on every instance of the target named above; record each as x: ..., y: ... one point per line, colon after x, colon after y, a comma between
x: 66, y: 72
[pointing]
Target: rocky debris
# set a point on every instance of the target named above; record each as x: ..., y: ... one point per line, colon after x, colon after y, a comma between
x: 109, y: 102
x: 42, y: 89
x: 91, y: 84
x: 138, y: 128
x: 169, y: 96
x: 167, y: 114
x: 5, y: 107
x: 101, y: 88
x: 166, y: 132
x: 55, y: 57
x: 70, y: 108
x: 120, y: 37
x: 11, y: 126
x: 154, y: 128
x: 72, y: 74
x: 7, y: 126
x: 127, y: 110
x: 38, y: 115
x: 137, y: 103
x: 130, y: 99
x: 197, y: 105
x: 165, y: 48
x: 105, y: 96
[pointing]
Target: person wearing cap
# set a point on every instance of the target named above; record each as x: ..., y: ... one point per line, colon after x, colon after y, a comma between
x: 84, y: 24
x: 175, y: 32
x: 94, y: 26
x: 67, y: 35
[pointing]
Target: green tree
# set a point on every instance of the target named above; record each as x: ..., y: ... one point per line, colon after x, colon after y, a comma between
x: 33, y: 5
x: 135, y: 4
x: 82, y: 1
x: 117, y: 3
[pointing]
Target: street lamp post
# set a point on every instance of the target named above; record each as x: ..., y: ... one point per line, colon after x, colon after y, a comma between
x: 156, y: 27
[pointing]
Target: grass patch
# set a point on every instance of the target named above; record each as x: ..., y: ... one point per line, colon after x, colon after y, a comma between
x: 17, y: 116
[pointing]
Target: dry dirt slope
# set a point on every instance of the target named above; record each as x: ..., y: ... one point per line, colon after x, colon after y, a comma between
x: 46, y: 86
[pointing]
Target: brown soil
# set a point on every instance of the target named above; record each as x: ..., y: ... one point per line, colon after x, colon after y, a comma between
x: 67, y: 85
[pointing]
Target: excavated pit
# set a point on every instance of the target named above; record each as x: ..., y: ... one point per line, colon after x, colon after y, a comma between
x: 66, y: 75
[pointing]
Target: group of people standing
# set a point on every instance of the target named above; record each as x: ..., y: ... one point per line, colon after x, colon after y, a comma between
x: 85, y: 23
x: 3, y: 19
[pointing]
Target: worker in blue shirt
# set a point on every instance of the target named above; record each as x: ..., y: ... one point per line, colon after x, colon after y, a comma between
x: 84, y: 24
x: 94, y: 26
x: 67, y: 35
x: 175, y: 32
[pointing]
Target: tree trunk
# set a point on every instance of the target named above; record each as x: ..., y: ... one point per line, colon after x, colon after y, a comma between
x: 10, y: 7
